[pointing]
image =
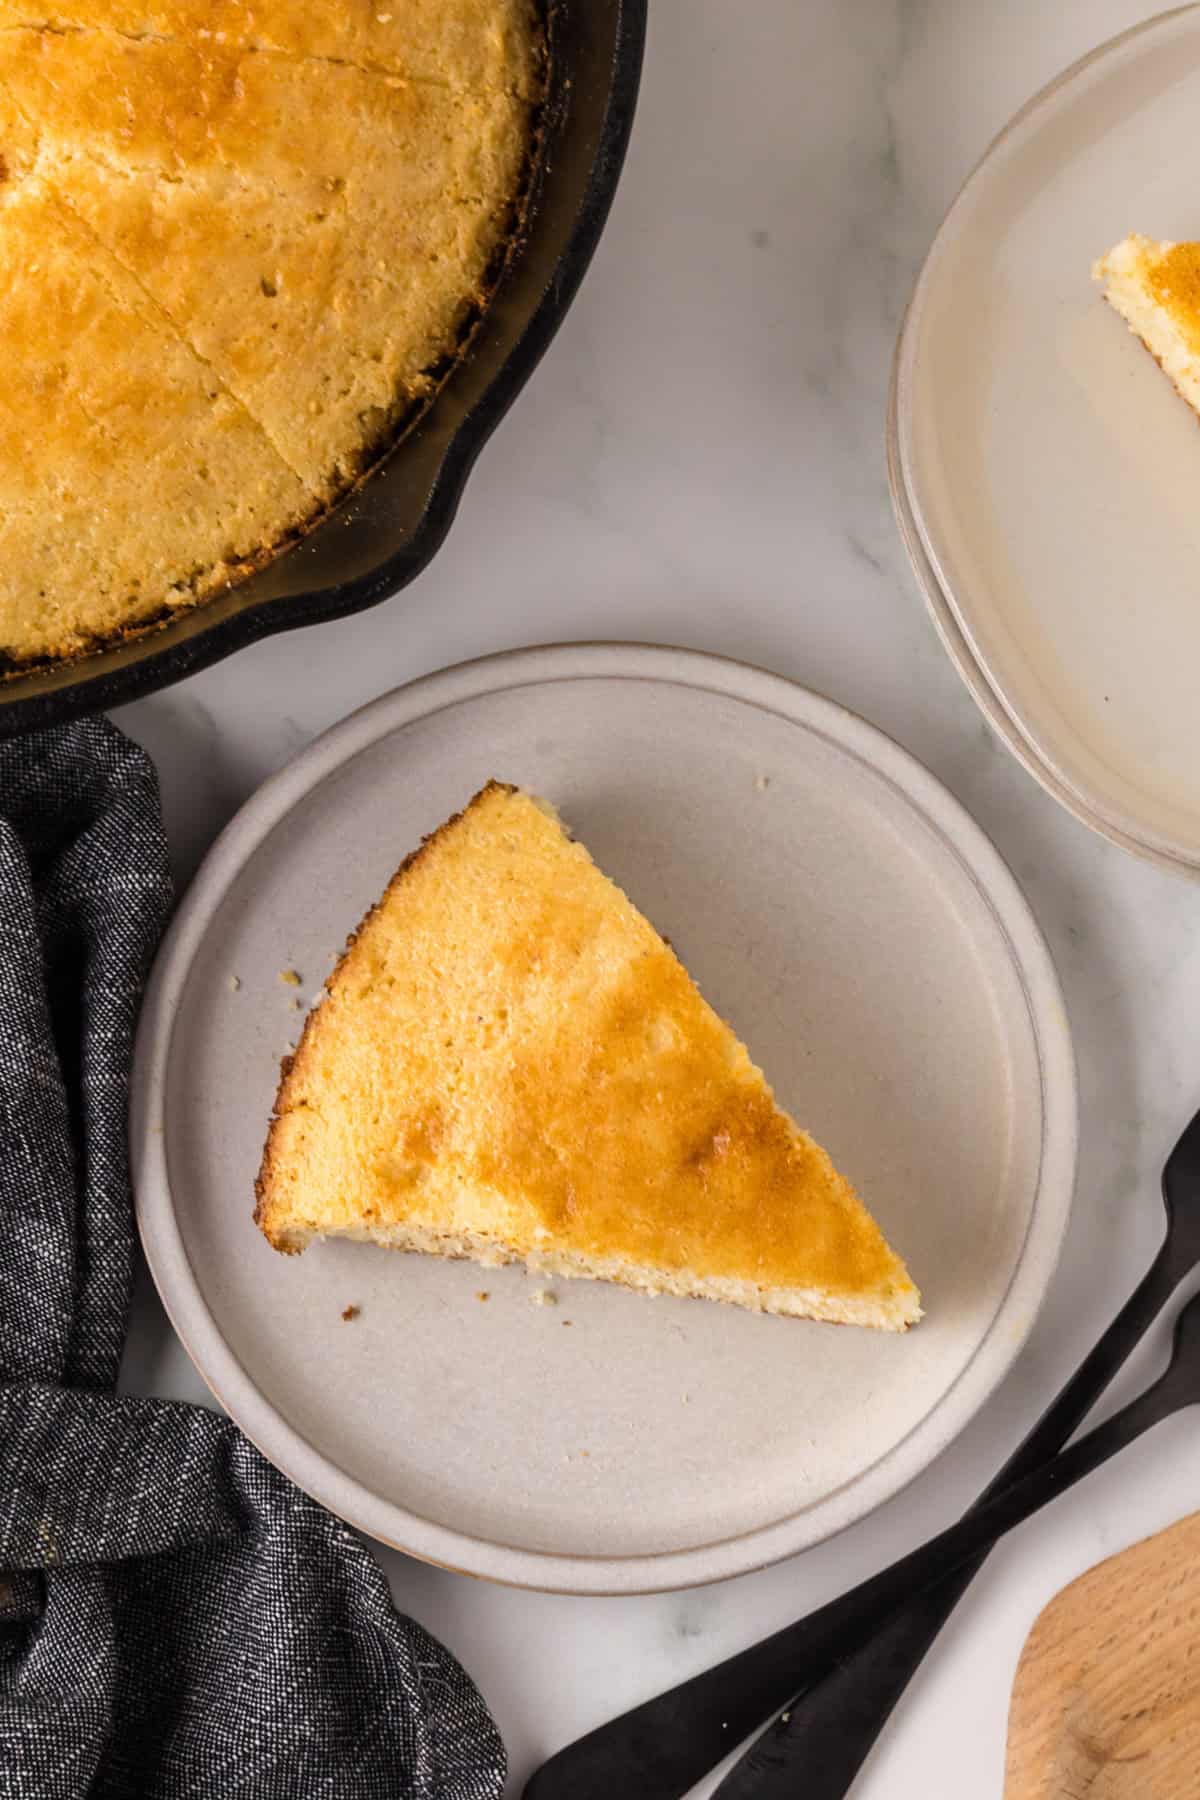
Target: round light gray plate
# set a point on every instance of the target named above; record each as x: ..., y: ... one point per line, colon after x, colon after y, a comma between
x: 1044, y: 472
x: 864, y: 938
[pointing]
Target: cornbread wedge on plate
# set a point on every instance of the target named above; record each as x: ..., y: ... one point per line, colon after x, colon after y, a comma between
x: 511, y: 1064
x: 1156, y: 289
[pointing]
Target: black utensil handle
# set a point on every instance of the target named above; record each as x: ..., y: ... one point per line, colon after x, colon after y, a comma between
x: 842, y: 1622
x: 663, y: 1747
x: 830, y: 1729
x: 1112, y: 1349
x: 838, y: 1719
x: 767, y: 1771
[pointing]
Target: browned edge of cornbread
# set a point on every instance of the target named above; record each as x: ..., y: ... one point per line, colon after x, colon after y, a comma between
x: 288, y: 1064
x: 1156, y: 358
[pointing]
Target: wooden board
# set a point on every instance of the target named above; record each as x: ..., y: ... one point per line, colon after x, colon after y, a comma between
x: 1106, y: 1702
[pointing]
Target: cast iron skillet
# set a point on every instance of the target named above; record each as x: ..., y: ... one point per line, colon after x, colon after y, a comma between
x: 388, y: 529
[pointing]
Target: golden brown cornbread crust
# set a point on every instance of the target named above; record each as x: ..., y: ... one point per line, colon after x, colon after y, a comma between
x: 511, y: 1063
x: 264, y: 1181
x: 1154, y: 286
x: 239, y: 248
x: 1174, y: 280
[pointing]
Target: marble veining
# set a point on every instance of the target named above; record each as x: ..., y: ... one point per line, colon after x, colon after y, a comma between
x: 700, y: 460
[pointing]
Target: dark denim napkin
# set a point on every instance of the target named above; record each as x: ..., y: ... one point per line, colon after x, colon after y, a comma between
x: 176, y: 1619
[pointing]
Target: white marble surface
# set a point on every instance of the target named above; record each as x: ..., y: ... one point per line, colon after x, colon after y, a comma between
x: 699, y: 460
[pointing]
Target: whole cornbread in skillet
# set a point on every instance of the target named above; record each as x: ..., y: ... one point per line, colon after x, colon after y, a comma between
x: 511, y: 1063
x: 237, y: 243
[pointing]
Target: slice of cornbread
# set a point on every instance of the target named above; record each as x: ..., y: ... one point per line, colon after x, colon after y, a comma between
x: 1155, y: 287
x: 511, y: 1064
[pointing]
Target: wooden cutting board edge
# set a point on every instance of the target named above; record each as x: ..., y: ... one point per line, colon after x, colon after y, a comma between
x: 1106, y: 1699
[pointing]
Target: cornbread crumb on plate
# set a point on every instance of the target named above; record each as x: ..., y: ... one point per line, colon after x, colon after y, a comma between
x: 1155, y: 287
x: 513, y: 1065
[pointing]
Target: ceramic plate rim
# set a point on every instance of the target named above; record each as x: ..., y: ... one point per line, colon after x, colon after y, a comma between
x: 971, y: 672
x: 448, y: 1547
x: 950, y: 616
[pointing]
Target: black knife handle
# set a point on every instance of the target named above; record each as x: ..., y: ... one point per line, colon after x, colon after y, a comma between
x: 831, y: 1728
x: 663, y: 1747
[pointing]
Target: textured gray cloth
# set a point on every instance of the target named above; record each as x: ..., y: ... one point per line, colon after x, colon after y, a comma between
x: 176, y: 1619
